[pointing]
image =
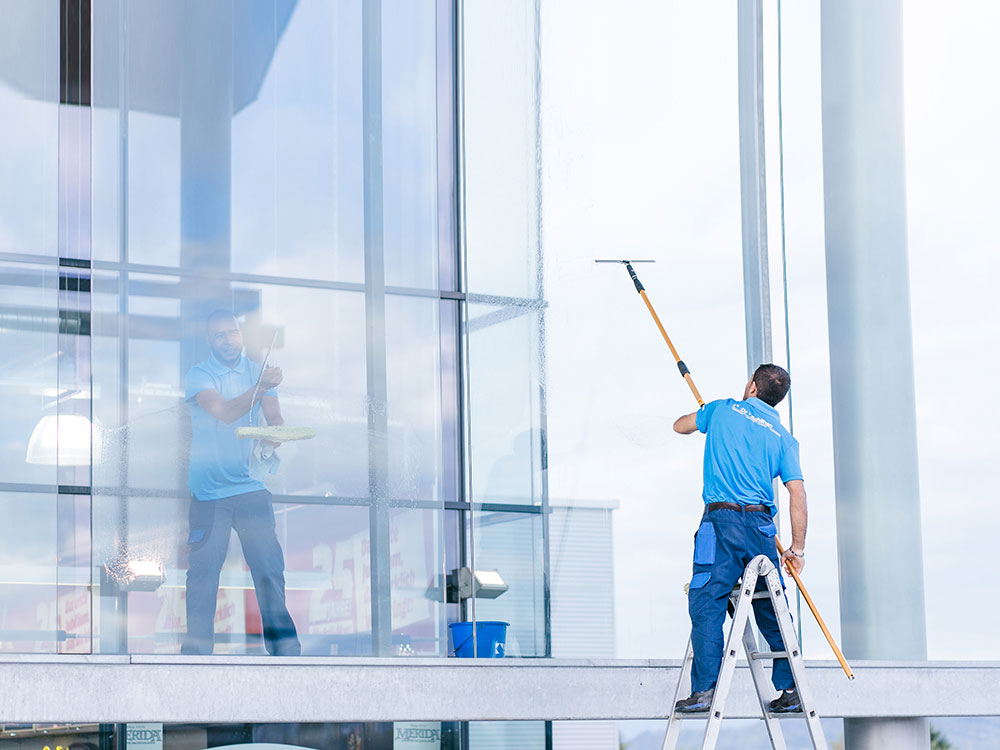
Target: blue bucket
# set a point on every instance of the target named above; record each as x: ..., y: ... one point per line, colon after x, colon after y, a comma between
x: 491, y: 637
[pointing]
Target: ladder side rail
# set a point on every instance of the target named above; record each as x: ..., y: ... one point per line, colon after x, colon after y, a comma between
x: 729, y: 657
x: 795, y: 661
x: 762, y: 684
x: 673, y: 720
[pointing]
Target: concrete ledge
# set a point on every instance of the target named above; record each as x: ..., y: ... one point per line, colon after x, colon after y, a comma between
x: 64, y: 688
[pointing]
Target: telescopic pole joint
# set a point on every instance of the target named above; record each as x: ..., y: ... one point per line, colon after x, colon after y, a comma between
x: 635, y: 279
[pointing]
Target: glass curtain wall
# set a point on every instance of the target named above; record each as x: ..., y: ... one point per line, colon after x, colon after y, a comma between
x: 282, y: 165
x: 259, y: 205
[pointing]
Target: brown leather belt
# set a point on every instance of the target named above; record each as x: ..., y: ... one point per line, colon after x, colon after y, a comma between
x: 737, y: 506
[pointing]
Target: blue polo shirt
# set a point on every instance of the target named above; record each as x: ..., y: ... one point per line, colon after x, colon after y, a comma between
x: 220, y: 461
x: 745, y: 449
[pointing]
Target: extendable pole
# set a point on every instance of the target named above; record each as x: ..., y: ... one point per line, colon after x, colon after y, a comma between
x: 822, y: 625
x: 683, y: 368
x: 687, y: 376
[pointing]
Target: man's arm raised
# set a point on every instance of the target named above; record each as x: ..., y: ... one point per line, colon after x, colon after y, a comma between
x: 687, y: 424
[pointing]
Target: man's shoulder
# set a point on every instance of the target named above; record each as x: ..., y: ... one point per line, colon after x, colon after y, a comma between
x: 706, y: 414
x: 721, y: 405
x: 720, y: 402
x: 201, y: 369
x: 200, y: 377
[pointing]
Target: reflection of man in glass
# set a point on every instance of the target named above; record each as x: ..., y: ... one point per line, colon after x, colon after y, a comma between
x: 224, y: 393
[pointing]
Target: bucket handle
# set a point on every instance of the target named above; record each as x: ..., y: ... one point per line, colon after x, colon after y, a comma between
x: 468, y: 638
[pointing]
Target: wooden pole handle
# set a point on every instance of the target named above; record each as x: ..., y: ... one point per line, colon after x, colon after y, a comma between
x: 822, y: 625
x: 670, y: 345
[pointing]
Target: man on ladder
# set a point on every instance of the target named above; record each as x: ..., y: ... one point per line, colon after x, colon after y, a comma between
x: 745, y: 449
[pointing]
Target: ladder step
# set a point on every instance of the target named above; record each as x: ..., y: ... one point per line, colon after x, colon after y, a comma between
x: 758, y: 655
x: 791, y: 715
x: 703, y: 715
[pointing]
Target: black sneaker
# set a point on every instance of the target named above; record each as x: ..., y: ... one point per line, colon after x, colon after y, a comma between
x: 786, y: 703
x: 697, y: 702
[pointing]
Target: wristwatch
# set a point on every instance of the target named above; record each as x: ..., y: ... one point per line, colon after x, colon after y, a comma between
x: 800, y: 556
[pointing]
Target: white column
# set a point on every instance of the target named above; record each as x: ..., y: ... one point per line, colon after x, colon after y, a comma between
x: 871, y: 349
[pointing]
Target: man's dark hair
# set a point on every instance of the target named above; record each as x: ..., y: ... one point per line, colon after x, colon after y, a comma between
x: 220, y: 315
x: 772, y: 383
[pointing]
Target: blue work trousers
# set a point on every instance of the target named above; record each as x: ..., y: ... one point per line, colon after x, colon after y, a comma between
x: 727, y: 540
x: 212, y: 522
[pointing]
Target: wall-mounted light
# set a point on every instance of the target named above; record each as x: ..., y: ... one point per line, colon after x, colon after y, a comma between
x: 63, y: 439
x: 462, y: 584
x: 488, y: 584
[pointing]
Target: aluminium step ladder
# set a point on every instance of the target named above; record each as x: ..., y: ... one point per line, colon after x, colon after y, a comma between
x: 740, y: 602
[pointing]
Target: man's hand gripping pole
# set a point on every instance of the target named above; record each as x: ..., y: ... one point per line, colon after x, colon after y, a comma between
x: 819, y: 620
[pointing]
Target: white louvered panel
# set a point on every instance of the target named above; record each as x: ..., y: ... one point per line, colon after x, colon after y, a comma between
x: 580, y: 553
x: 584, y: 735
x: 506, y: 735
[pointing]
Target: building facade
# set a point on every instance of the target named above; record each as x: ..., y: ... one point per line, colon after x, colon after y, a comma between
x: 399, y: 204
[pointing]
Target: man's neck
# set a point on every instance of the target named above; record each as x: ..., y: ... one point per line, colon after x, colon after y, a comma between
x: 230, y: 364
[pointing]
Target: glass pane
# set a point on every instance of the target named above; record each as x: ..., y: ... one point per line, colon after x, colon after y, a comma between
x: 503, y: 179
x: 505, y: 393
x: 30, y: 616
x: 580, y: 393
x: 509, y: 548
x: 29, y: 109
x: 418, y: 612
x: 410, y: 110
x: 30, y: 376
x: 414, y: 381
x: 297, y: 142
x: 952, y: 158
